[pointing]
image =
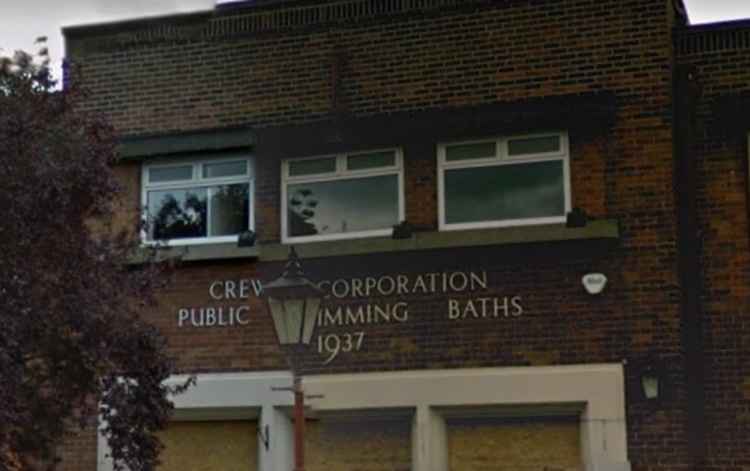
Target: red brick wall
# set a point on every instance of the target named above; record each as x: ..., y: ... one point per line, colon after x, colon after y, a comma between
x: 499, y: 52
x: 78, y: 451
x: 492, y: 52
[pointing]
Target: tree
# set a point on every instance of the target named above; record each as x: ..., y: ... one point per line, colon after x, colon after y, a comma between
x: 73, y: 343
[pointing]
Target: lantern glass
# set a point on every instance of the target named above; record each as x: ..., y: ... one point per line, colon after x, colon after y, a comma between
x: 312, y: 306
x: 295, y: 316
x: 294, y: 319
x: 650, y: 384
x: 294, y: 302
x: 287, y: 318
x: 279, y: 319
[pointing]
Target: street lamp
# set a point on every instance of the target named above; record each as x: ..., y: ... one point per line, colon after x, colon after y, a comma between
x: 294, y: 301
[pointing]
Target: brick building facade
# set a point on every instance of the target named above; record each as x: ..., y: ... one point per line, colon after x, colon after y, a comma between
x: 465, y: 340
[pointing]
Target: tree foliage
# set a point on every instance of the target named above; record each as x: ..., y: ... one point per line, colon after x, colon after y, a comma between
x: 73, y: 342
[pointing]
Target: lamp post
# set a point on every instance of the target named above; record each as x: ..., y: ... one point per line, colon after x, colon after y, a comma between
x: 293, y: 301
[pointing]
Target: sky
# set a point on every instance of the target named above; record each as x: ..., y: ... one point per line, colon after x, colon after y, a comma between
x: 22, y: 21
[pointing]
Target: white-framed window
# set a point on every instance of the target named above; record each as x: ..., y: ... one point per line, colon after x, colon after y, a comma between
x: 500, y: 182
x: 199, y: 200
x: 342, y: 196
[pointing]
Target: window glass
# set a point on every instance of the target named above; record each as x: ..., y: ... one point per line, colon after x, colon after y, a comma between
x: 230, y: 205
x: 495, y: 190
x: 312, y: 166
x: 177, y: 214
x: 504, y: 192
x: 341, y: 206
x: 331, y: 198
x: 480, y: 150
x: 372, y: 160
x: 203, y: 200
x: 534, y: 145
x: 168, y: 174
x: 225, y: 169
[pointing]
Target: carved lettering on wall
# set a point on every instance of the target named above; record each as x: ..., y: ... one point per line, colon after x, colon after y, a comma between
x: 355, y: 304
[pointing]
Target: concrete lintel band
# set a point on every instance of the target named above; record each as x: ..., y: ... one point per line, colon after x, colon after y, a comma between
x: 596, y: 391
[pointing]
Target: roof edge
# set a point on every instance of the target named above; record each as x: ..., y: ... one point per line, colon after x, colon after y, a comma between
x: 718, y: 26
x: 180, y: 18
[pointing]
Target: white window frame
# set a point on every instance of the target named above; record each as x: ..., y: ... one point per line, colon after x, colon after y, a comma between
x: 198, y: 181
x: 502, y: 157
x: 341, y: 173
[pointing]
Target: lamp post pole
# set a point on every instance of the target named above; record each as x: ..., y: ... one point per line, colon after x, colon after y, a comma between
x: 299, y: 423
x: 293, y: 302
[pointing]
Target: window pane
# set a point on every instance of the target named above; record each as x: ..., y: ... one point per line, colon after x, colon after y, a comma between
x: 312, y: 166
x: 229, y: 209
x: 373, y: 160
x: 504, y: 192
x: 168, y: 174
x: 534, y: 145
x: 482, y: 150
x: 341, y: 206
x: 225, y: 169
x: 177, y: 214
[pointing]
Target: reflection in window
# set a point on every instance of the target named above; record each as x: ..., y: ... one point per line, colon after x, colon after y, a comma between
x: 349, y: 195
x: 504, y: 192
x: 534, y: 145
x: 504, y: 182
x: 177, y: 214
x: 342, y: 206
x: 225, y: 169
x: 480, y: 150
x: 312, y: 166
x: 229, y: 209
x: 213, y: 204
x: 171, y: 173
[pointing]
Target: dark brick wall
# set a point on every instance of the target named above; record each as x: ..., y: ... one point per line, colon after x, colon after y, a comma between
x: 483, y: 53
x: 721, y: 62
x: 477, y: 54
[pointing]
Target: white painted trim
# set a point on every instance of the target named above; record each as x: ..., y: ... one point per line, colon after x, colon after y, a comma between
x: 596, y: 392
x: 500, y: 159
x: 429, y: 440
x: 240, y: 390
x: 198, y: 181
x: 341, y: 173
